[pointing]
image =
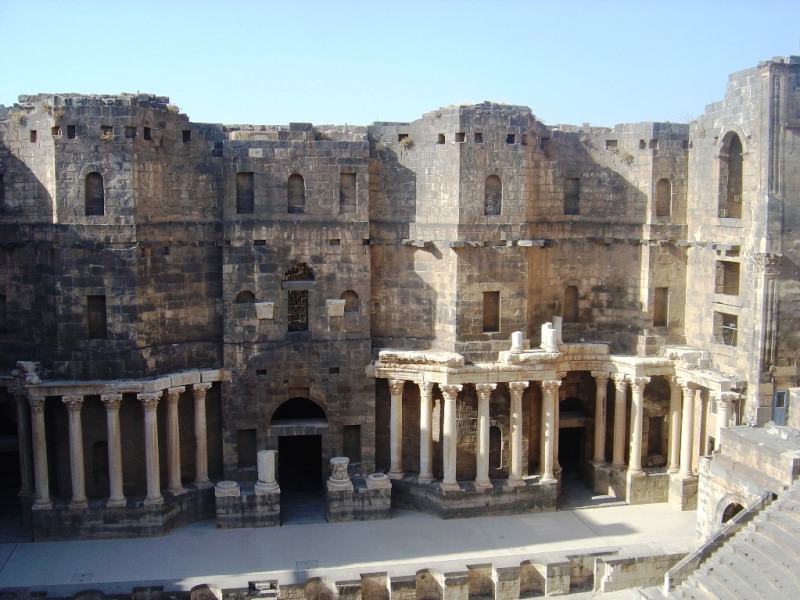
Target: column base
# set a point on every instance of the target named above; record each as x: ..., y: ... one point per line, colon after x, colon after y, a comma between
x: 78, y: 504
x: 396, y: 474
x: 425, y: 479
x: 548, y: 479
x: 203, y: 485
x: 483, y: 486
x: 42, y: 505
x: 154, y: 501
x: 177, y: 491
x: 453, y: 486
x: 117, y: 503
x: 267, y: 488
x: 514, y: 482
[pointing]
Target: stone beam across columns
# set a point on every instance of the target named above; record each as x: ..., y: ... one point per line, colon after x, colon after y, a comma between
x: 674, y: 425
x: 425, y: 432
x: 549, y: 398
x: 74, y: 405
x: 112, y: 403
x: 199, y: 392
x: 687, y: 430
x: 637, y: 417
x: 600, y: 384
x: 482, y: 481
x: 396, y: 428
x: 516, y: 388
x: 450, y: 437
x: 41, y: 481
x: 724, y: 400
x: 620, y: 391
x: 149, y: 402
x: 174, y: 485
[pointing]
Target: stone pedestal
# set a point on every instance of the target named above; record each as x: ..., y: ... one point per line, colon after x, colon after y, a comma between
x: 238, y: 506
x: 360, y: 499
x: 683, y: 492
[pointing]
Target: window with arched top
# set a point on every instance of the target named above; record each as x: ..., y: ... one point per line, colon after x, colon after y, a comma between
x: 492, y: 196
x: 663, y: 198
x: 245, y: 297
x: 730, y: 177
x: 296, y: 193
x: 350, y: 301
x: 94, y: 195
x: 298, y: 281
x: 571, y: 304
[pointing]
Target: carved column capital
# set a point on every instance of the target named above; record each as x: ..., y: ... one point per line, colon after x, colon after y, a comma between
x: 600, y: 377
x: 450, y: 391
x: 726, y: 398
x: 551, y: 385
x: 425, y: 388
x: 174, y: 393
x: 149, y: 400
x: 36, y: 402
x: 112, y: 401
x: 620, y: 380
x: 396, y: 386
x: 639, y: 383
x: 74, y: 403
x: 485, y: 390
x: 517, y: 387
x: 201, y: 387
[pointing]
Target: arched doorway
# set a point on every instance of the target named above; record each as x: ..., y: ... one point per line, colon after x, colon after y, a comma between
x: 731, y: 511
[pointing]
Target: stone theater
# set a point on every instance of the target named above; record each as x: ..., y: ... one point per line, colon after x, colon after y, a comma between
x: 455, y: 313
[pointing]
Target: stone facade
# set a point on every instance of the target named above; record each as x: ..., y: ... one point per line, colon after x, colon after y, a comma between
x: 474, y: 303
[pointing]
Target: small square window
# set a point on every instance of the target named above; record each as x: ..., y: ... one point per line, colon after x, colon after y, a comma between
x: 440, y: 138
x: 402, y: 136
x: 642, y: 145
x: 511, y: 138
x: 71, y: 134
x: 187, y: 136
x: 334, y: 242
x: 130, y: 132
x: 33, y: 135
x: 148, y: 134
x: 478, y: 138
x: 460, y: 137
x: 56, y: 131
x: 611, y: 144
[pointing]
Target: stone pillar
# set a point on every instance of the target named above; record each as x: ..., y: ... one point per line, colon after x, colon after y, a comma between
x: 482, y: 481
x: 150, y: 403
x: 516, y: 388
x: 396, y: 428
x: 77, y: 476
x: 620, y: 389
x: 550, y: 397
x: 450, y: 437
x: 266, y: 472
x: 174, y: 485
x: 687, y: 430
x: 637, y: 417
x: 425, y: 432
x: 116, y: 496
x: 724, y: 400
x: 41, y: 480
x: 600, y: 383
x: 24, y: 444
x: 200, y: 435
x: 674, y: 425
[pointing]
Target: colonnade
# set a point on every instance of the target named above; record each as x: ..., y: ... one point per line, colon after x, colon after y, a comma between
x: 681, y: 426
x: 112, y: 401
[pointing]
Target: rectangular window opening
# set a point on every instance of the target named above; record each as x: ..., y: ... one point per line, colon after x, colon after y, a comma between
x: 148, y: 134
x: 259, y: 242
x: 334, y: 242
x: 491, y: 312
x: 261, y: 372
x: 727, y: 278
x: 461, y: 137
x: 478, y: 138
x: 347, y: 192
x: 333, y: 370
x: 661, y: 307
x: 245, y: 193
x: 187, y: 136
x: 726, y: 329
x: 511, y: 138
x: 440, y: 138
x: 130, y: 132
x: 402, y: 136
x: 71, y: 132
x: 246, y: 443
x: 572, y: 195
x: 56, y: 131
x: 96, y: 318
x: 33, y: 135
x: 653, y: 144
x: 611, y: 144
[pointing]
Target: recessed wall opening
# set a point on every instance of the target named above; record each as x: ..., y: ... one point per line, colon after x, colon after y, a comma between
x: 347, y: 192
x: 300, y: 463
x: 56, y: 131
x: 440, y: 138
x: 511, y: 138
x: 461, y: 137
x: 491, y: 312
x: 726, y: 328
x: 245, y: 193
x: 186, y: 136
x: 731, y: 511
x: 571, y: 309
x: 247, y: 448
x: 130, y: 132
x: 71, y: 133
x: 572, y: 195
x: 148, y: 134
x: 727, y: 278
x: 730, y: 177
x: 245, y: 297
x: 33, y: 135
x: 296, y: 194
x: 492, y: 196
x: 663, y: 198
x: 351, y: 443
x: 96, y: 319
x: 478, y: 138
x: 94, y: 195
x: 660, y: 306
x: 301, y: 277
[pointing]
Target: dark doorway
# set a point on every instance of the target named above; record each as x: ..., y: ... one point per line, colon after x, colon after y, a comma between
x: 300, y: 463
x: 571, y: 451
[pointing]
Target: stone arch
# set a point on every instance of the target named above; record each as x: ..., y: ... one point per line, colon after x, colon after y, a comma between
x: 350, y: 301
x: 728, y: 507
x: 731, y: 176
x: 296, y: 193
x: 492, y: 196
x: 298, y: 409
x: 663, y: 197
x: 245, y: 297
x: 94, y: 195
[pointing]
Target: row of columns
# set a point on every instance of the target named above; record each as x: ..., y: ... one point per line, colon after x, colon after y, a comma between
x: 449, y: 431
x: 112, y: 402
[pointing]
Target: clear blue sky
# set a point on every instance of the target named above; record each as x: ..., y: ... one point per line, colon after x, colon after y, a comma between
x: 269, y: 62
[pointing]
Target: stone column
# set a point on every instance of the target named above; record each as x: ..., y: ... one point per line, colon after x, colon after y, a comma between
x: 174, y: 485
x: 724, y: 400
x: 266, y: 472
x: 150, y: 403
x: 516, y: 388
x: 450, y: 437
x: 600, y: 383
x: 77, y: 476
x: 674, y: 425
x: 687, y: 430
x: 425, y: 414
x: 550, y: 397
x: 637, y: 417
x: 200, y: 435
x: 556, y: 431
x: 396, y: 428
x: 116, y: 496
x: 620, y: 390
x: 24, y: 444
x: 41, y: 480
x: 482, y: 481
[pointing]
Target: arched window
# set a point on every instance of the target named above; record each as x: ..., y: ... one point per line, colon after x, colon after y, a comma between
x: 571, y: 304
x: 350, y: 301
x: 298, y: 409
x: 492, y: 196
x: 245, y: 297
x: 296, y: 193
x: 730, y: 177
x: 663, y: 198
x: 298, y: 280
x: 94, y: 195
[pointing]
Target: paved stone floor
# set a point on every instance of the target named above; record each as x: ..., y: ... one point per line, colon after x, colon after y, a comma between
x: 409, y: 541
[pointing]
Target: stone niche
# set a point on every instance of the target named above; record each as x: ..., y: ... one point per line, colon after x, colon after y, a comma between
x: 356, y: 498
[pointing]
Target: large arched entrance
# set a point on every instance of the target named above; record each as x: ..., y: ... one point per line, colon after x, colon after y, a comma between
x: 298, y: 425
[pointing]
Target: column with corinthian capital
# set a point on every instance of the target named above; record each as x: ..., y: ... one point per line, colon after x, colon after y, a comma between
x: 482, y: 481
x: 620, y: 391
x: 41, y: 481
x: 549, y: 398
x: 199, y: 391
x: 450, y: 437
x: 637, y: 418
x: 77, y: 476
x: 116, y: 497
x: 724, y: 400
x: 687, y: 430
x: 516, y: 388
x: 425, y: 431
x: 174, y: 484
x: 396, y: 428
x: 674, y: 425
x: 600, y: 383
x: 150, y: 404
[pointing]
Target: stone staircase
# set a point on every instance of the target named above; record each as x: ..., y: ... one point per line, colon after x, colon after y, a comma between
x: 760, y: 561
